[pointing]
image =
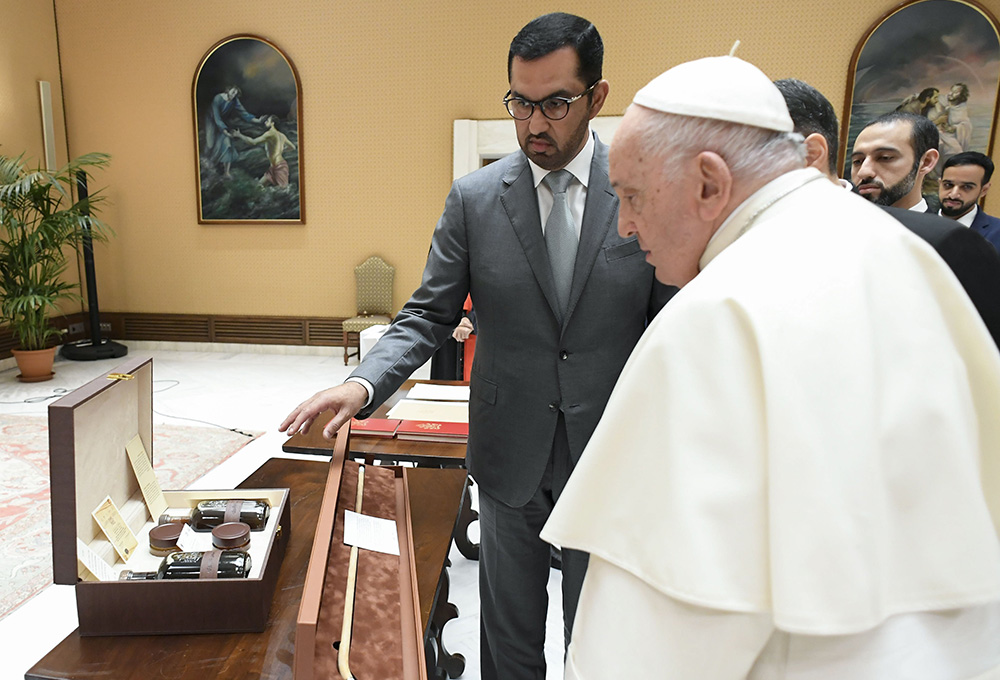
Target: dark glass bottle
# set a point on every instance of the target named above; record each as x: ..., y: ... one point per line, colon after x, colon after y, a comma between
x: 207, y: 515
x: 193, y: 565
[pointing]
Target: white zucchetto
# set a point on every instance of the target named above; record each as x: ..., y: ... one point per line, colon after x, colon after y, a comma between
x: 721, y: 88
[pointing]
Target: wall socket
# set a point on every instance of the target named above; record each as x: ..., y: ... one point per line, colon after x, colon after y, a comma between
x: 105, y: 327
x: 76, y: 329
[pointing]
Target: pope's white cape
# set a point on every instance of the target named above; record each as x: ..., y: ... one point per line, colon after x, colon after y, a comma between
x: 808, y: 429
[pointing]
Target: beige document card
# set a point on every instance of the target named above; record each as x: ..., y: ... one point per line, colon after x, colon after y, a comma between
x: 93, y: 563
x: 143, y: 468
x: 437, y: 411
x: 115, y: 528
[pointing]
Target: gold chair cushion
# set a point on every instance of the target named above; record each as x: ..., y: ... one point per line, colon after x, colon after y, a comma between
x: 356, y: 324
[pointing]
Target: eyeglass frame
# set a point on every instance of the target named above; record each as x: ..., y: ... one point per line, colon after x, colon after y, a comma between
x: 567, y: 100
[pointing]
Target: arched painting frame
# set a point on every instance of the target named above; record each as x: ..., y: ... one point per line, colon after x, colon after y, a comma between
x: 922, y: 45
x: 248, y: 134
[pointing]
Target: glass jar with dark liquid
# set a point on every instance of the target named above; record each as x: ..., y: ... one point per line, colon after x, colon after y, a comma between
x: 207, y: 515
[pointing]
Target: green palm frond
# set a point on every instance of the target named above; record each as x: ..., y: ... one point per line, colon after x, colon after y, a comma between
x: 40, y: 222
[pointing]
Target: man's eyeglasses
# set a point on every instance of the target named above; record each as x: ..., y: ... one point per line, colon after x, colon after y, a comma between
x: 553, y: 108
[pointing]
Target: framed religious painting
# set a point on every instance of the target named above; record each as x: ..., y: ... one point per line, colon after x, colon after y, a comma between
x: 934, y: 58
x: 248, y: 134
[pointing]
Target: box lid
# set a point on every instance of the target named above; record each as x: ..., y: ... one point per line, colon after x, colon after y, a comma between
x: 88, y: 431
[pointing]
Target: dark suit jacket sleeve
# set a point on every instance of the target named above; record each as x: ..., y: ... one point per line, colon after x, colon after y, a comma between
x: 977, y: 265
x: 659, y: 296
x: 970, y: 256
x: 988, y: 227
x: 426, y: 321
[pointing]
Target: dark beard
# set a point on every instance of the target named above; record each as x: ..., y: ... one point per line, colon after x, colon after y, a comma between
x: 956, y: 212
x: 563, y: 154
x: 891, y: 195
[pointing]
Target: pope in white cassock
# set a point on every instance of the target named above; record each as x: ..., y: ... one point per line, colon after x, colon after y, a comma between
x: 798, y: 473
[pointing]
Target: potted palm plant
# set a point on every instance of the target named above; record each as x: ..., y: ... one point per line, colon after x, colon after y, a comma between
x: 40, y: 226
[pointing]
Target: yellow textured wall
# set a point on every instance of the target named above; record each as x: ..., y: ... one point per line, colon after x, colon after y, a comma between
x: 29, y: 53
x: 382, y: 83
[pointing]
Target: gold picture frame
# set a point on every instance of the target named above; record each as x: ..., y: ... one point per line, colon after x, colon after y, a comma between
x: 247, y: 104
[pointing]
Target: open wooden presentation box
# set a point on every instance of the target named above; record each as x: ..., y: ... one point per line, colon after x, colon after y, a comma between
x: 386, y: 636
x: 88, y: 431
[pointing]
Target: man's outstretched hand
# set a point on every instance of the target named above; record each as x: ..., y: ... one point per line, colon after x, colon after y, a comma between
x: 344, y: 400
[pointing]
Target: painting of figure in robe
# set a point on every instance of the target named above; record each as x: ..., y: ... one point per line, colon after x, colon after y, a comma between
x: 936, y: 58
x: 248, y: 134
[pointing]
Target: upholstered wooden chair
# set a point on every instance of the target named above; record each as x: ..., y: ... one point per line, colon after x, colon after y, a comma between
x: 373, y: 284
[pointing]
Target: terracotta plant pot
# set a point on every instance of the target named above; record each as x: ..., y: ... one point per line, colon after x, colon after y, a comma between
x: 35, y: 364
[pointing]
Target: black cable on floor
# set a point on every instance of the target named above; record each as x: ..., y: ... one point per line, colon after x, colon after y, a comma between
x: 205, y: 422
x: 61, y: 391
x: 56, y: 393
x: 193, y: 420
x: 175, y: 384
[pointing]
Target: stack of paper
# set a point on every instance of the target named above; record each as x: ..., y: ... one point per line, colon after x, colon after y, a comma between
x: 435, y: 411
x: 427, y: 391
x: 433, y: 431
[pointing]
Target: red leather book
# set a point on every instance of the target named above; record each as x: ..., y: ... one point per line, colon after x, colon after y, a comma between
x: 431, y: 431
x: 374, y: 427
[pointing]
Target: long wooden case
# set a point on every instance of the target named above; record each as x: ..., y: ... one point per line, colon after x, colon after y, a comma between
x: 88, y: 431
x: 387, y: 636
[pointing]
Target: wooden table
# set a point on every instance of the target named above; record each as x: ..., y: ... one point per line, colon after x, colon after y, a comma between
x: 434, y: 454
x: 423, y: 454
x: 435, y: 496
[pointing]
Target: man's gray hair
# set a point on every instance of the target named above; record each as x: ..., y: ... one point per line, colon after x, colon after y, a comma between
x: 751, y: 153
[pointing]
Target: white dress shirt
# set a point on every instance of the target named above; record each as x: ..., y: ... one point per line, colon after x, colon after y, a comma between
x: 965, y: 220
x: 576, y: 193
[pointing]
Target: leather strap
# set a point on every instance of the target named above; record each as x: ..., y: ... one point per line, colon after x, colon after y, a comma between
x: 210, y: 564
x: 233, y: 511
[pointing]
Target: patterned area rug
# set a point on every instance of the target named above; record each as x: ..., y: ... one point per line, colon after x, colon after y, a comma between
x: 183, y: 454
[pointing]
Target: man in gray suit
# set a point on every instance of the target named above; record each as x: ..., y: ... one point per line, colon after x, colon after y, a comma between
x: 558, y: 315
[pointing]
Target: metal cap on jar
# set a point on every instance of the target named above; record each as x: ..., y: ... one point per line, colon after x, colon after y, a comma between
x: 231, y: 535
x: 165, y: 535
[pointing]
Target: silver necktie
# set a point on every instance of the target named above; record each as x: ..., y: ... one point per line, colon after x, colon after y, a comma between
x: 561, y: 240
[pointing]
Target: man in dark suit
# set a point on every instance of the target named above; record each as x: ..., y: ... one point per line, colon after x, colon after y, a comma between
x: 965, y: 179
x: 970, y: 257
x: 555, y: 327
x: 892, y: 155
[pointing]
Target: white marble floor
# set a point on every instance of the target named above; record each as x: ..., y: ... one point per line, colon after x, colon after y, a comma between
x: 235, y: 386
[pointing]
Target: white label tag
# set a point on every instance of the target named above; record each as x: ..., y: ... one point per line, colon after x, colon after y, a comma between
x: 371, y: 533
x: 194, y: 541
x: 100, y: 569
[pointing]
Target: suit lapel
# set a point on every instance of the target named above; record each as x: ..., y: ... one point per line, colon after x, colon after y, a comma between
x: 598, y: 217
x: 521, y: 205
x: 979, y: 222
